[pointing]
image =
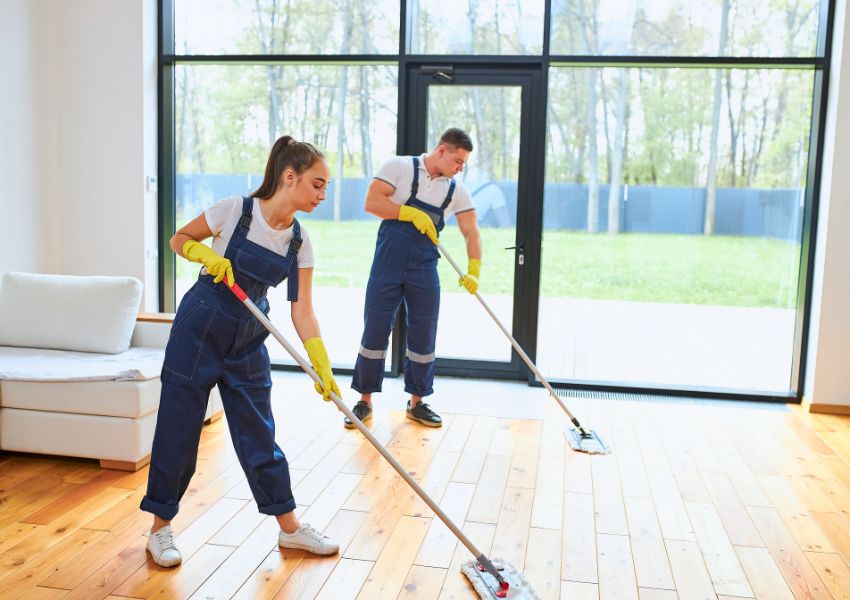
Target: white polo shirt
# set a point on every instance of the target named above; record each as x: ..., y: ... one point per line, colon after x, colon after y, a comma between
x: 398, y: 172
x: 223, y: 216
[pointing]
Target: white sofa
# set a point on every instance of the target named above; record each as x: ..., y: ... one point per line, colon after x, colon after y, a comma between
x: 89, y: 385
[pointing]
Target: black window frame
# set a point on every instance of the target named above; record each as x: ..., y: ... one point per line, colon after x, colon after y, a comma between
x: 819, y: 63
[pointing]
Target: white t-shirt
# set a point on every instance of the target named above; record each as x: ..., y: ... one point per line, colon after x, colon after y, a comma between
x: 398, y: 172
x: 222, y: 218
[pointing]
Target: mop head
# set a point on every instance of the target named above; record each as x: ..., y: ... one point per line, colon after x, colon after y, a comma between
x: 487, y: 586
x: 587, y: 441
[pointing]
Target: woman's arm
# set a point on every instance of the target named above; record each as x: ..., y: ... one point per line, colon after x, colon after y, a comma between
x: 303, y: 317
x: 196, y: 229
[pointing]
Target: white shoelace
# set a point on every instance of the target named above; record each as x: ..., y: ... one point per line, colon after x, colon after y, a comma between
x: 312, y: 533
x: 164, y: 540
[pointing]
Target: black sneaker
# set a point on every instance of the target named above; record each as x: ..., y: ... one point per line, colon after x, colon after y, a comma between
x: 423, y: 413
x: 362, y: 411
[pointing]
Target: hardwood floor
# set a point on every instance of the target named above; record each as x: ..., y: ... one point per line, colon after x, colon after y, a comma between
x: 698, y: 501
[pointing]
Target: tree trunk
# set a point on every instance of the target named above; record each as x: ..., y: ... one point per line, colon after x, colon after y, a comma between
x: 617, y: 158
x: 593, y: 156
x: 365, y: 119
x: 711, y: 182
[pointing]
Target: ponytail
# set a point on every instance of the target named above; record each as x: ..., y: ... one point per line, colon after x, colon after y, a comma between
x: 286, y: 154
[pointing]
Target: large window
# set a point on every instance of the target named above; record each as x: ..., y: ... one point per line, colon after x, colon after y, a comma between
x: 654, y: 231
x: 226, y: 119
x: 672, y: 225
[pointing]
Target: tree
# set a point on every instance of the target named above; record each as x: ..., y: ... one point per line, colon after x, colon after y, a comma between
x: 711, y: 182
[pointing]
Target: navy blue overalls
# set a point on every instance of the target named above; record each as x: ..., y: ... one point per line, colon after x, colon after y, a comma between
x: 404, y: 268
x: 216, y: 341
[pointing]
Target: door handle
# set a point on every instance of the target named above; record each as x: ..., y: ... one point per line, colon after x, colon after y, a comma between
x: 520, y: 248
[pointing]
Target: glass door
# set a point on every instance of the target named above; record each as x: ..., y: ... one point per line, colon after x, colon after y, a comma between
x: 494, y: 108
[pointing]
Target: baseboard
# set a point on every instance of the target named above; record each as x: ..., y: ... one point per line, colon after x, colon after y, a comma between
x: 827, y: 409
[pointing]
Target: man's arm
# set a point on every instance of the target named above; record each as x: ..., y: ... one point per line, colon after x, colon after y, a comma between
x: 467, y: 221
x: 379, y: 200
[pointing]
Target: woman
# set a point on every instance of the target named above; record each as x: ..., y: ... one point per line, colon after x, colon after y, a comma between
x: 257, y: 242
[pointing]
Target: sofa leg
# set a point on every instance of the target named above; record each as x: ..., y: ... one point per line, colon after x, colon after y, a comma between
x: 214, y: 417
x: 122, y: 465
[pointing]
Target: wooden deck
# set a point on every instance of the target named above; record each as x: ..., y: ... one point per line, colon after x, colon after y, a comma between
x: 697, y: 501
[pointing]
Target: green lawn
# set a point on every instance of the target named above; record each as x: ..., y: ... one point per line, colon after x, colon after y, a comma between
x: 717, y: 270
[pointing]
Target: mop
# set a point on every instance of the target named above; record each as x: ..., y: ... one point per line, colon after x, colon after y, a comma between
x: 491, y: 579
x: 579, y: 438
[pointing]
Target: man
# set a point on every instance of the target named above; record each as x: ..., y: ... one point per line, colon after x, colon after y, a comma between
x: 413, y: 195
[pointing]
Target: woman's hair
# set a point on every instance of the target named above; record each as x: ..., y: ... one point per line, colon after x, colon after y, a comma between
x: 286, y: 154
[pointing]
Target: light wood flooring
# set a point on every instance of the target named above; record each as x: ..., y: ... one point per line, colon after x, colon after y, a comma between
x: 698, y: 501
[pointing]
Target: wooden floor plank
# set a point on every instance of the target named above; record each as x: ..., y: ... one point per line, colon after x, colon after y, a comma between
x: 512, y: 530
x: 548, y: 508
x: 487, y: 501
x: 543, y: 561
x: 725, y: 569
x: 386, y: 579
x: 576, y: 590
x: 422, y: 583
x: 788, y: 556
x: 346, y: 580
x: 692, y: 579
x: 763, y: 574
x: 456, y: 586
x: 439, y: 543
x: 652, y: 569
x: 312, y: 572
x: 192, y: 573
x: 578, y: 555
x: 616, y: 568
x: 834, y: 572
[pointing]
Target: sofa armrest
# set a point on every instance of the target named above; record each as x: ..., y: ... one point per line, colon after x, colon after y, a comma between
x: 152, y: 330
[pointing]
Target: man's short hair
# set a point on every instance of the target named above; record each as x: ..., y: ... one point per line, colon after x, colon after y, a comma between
x: 457, y: 138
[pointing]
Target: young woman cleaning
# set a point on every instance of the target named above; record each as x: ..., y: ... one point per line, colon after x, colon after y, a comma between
x: 257, y: 242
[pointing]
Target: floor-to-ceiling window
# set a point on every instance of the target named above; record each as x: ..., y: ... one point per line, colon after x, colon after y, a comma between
x: 659, y: 225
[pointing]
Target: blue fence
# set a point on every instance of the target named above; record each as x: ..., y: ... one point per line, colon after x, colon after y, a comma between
x: 773, y: 213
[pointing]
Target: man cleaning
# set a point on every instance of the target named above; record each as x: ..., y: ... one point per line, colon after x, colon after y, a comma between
x: 414, y: 195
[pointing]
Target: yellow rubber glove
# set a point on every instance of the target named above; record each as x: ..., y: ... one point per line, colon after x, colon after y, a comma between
x: 473, y: 272
x: 217, y: 266
x: 420, y: 220
x: 321, y: 363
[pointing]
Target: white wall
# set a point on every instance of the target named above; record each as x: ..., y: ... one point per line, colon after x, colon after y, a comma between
x: 29, y: 233
x: 83, y: 138
x: 828, y: 372
x: 106, y: 134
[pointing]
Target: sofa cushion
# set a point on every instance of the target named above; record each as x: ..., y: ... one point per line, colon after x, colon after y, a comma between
x: 129, y: 399
x: 68, y: 312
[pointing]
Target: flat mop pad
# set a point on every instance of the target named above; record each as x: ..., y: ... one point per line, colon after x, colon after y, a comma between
x: 489, y: 588
x: 585, y: 440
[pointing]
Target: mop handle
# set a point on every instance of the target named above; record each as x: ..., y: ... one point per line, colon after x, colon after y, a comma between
x: 514, y: 343
x: 262, y: 318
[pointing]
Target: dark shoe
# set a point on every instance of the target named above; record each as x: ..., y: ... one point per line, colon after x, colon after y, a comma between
x: 362, y: 411
x: 423, y: 413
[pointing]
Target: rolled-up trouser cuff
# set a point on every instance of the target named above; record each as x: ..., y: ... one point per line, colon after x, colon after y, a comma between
x: 166, y: 512
x: 365, y: 389
x: 418, y: 392
x: 278, y: 509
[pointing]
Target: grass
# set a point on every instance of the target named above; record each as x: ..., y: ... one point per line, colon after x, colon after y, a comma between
x: 715, y: 270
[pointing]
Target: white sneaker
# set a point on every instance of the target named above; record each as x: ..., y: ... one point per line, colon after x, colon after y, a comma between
x: 307, y: 538
x: 162, y: 548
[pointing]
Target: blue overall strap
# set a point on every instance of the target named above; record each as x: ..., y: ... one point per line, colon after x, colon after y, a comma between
x: 449, y: 195
x: 240, y: 233
x: 292, y: 259
x: 414, y: 187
